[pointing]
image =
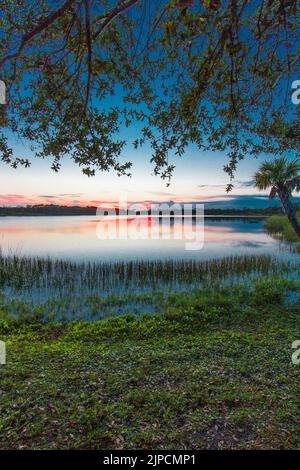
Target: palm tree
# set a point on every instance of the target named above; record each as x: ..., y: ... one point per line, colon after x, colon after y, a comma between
x: 283, y: 177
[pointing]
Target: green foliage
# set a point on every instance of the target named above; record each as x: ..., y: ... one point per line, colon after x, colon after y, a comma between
x: 276, y: 223
x: 213, y: 372
x: 208, y: 73
x: 278, y: 174
x: 264, y: 293
x: 282, y: 177
x: 281, y: 227
x: 206, y: 305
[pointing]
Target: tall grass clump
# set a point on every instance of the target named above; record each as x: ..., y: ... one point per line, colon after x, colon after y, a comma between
x: 19, y: 273
x: 280, y: 227
x: 46, y: 288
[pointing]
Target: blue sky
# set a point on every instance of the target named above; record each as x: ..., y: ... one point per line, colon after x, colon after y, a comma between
x: 198, y: 177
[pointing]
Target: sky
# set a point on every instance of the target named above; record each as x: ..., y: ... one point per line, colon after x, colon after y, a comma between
x: 198, y: 177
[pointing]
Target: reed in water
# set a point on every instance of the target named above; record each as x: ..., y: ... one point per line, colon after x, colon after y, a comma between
x: 20, y: 273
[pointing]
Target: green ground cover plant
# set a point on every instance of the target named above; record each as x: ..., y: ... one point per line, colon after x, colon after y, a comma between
x: 211, y: 370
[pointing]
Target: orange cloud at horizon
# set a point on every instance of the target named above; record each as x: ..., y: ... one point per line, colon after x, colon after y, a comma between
x: 17, y: 200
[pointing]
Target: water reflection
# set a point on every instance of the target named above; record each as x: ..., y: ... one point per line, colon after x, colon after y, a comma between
x: 80, y: 238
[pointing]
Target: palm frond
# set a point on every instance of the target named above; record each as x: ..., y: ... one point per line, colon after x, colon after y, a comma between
x: 278, y: 173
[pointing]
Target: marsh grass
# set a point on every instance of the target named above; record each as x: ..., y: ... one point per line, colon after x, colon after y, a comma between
x: 280, y: 227
x: 48, y: 290
x: 19, y: 273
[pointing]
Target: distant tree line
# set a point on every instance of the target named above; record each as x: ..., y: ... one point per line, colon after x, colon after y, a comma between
x: 50, y: 209
x: 57, y: 210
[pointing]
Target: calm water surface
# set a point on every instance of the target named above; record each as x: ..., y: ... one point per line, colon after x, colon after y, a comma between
x: 83, y: 238
x: 80, y: 238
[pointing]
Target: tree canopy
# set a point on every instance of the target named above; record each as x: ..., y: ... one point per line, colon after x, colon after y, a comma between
x: 210, y: 72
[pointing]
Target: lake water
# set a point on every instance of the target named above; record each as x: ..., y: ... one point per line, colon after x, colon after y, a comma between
x: 94, y: 291
x: 85, y: 238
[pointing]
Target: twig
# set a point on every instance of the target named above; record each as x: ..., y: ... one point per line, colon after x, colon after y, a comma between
x: 38, y: 29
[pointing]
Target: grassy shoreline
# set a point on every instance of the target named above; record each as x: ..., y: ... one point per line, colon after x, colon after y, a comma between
x: 279, y: 226
x: 213, y: 370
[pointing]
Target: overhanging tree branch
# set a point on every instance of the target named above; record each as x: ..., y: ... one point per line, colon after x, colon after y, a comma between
x: 38, y: 29
x: 89, y: 48
x: 118, y: 10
